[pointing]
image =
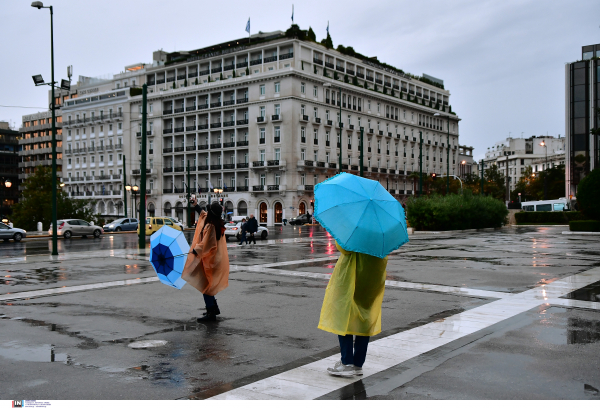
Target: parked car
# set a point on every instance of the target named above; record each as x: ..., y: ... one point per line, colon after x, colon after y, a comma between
x: 16, y: 234
x: 153, y: 224
x: 235, y: 230
x: 122, y: 224
x: 69, y: 228
x: 301, y: 219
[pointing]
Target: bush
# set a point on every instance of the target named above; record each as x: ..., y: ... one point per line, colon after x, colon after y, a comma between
x: 455, y: 212
x: 547, y: 217
x: 588, y: 195
x: 585, y: 225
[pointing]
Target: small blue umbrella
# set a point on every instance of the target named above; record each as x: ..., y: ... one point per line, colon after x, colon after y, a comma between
x: 168, y: 253
x: 360, y: 214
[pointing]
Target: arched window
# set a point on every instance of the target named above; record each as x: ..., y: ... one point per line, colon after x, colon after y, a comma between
x: 278, y: 212
x: 242, y: 208
x: 302, y: 208
x: 263, y: 212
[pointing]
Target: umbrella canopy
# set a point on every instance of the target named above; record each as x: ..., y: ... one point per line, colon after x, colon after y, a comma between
x: 168, y: 252
x: 360, y: 214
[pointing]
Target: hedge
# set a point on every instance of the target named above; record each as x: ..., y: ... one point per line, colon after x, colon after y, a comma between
x: 585, y: 225
x: 455, y: 212
x: 547, y: 217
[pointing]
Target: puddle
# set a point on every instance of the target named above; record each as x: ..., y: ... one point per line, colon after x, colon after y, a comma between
x: 590, y: 293
x: 44, y: 353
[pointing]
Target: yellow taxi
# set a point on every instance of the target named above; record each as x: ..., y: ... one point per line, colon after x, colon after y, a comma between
x: 153, y: 224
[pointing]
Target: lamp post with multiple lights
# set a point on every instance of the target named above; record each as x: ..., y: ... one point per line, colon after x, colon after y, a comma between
x: 38, y: 80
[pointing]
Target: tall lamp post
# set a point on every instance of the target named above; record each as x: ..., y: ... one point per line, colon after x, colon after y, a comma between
x: 7, y: 184
x: 327, y: 84
x: 38, y: 80
x: 545, y: 146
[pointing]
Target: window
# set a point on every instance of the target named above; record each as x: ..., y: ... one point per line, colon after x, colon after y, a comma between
x: 301, y: 88
x: 262, y: 90
x: 277, y: 87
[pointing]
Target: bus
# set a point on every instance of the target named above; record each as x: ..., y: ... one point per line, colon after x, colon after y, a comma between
x: 561, y: 204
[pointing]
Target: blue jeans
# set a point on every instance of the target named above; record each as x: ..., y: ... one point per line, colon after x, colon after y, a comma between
x: 210, y: 301
x: 353, y: 355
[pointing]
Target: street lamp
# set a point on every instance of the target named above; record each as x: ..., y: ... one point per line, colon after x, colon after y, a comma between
x: 38, y: 80
x: 7, y: 184
x: 328, y: 84
x: 545, y: 146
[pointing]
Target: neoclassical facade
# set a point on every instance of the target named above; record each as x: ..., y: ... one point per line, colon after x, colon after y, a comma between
x: 259, y: 120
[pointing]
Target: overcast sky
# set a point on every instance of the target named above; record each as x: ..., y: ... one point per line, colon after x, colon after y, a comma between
x: 503, y: 61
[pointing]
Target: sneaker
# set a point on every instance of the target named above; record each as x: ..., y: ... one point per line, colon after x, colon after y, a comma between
x: 342, y: 370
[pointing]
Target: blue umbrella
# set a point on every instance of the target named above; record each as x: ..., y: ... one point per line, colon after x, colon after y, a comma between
x: 168, y: 252
x: 360, y: 214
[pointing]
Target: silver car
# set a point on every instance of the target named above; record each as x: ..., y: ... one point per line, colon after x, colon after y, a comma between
x: 69, y: 228
x: 6, y: 233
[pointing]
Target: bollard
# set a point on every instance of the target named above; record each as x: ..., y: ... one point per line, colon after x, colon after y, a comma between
x: 39, y: 227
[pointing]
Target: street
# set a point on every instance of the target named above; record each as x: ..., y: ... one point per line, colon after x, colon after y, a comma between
x: 502, y: 314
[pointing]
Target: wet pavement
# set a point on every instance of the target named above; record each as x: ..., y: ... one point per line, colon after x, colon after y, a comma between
x: 525, y: 299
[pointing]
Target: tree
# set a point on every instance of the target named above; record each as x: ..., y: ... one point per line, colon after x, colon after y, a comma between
x: 327, y: 42
x: 35, y: 203
x: 311, y: 35
x: 588, y: 195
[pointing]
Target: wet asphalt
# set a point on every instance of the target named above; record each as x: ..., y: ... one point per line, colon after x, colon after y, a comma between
x: 74, y: 345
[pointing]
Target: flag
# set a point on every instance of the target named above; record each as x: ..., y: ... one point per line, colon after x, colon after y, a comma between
x: 248, y: 26
x: 292, y: 14
x: 327, y: 27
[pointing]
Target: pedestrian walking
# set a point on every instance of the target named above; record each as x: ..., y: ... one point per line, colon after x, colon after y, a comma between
x: 252, y: 228
x: 207, y: 266
x: 352, y: 307
x: 243, y: 233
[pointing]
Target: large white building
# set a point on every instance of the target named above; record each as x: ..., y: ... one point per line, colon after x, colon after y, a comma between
x: 521, y: 153
x: 257, y: 118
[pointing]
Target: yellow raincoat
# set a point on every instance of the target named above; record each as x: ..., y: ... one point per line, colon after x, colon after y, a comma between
x: 208, y: 270
x: 353, y: 298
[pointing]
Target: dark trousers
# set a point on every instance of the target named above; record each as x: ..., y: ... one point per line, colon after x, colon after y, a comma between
x: 353, y: 352
x: 210, y: 301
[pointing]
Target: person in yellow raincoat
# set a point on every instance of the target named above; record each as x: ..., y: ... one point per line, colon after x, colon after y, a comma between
x: 207, y: 266
x: 352, y: 307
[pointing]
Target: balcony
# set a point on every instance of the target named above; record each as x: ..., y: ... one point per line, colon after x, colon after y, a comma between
x: 317, y: 61
x: 242, y: 165
x: 242, y: 143
x: 229, y: 123
x: 242, y: 122
x: 276, y: 118
x: 215, y: 145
